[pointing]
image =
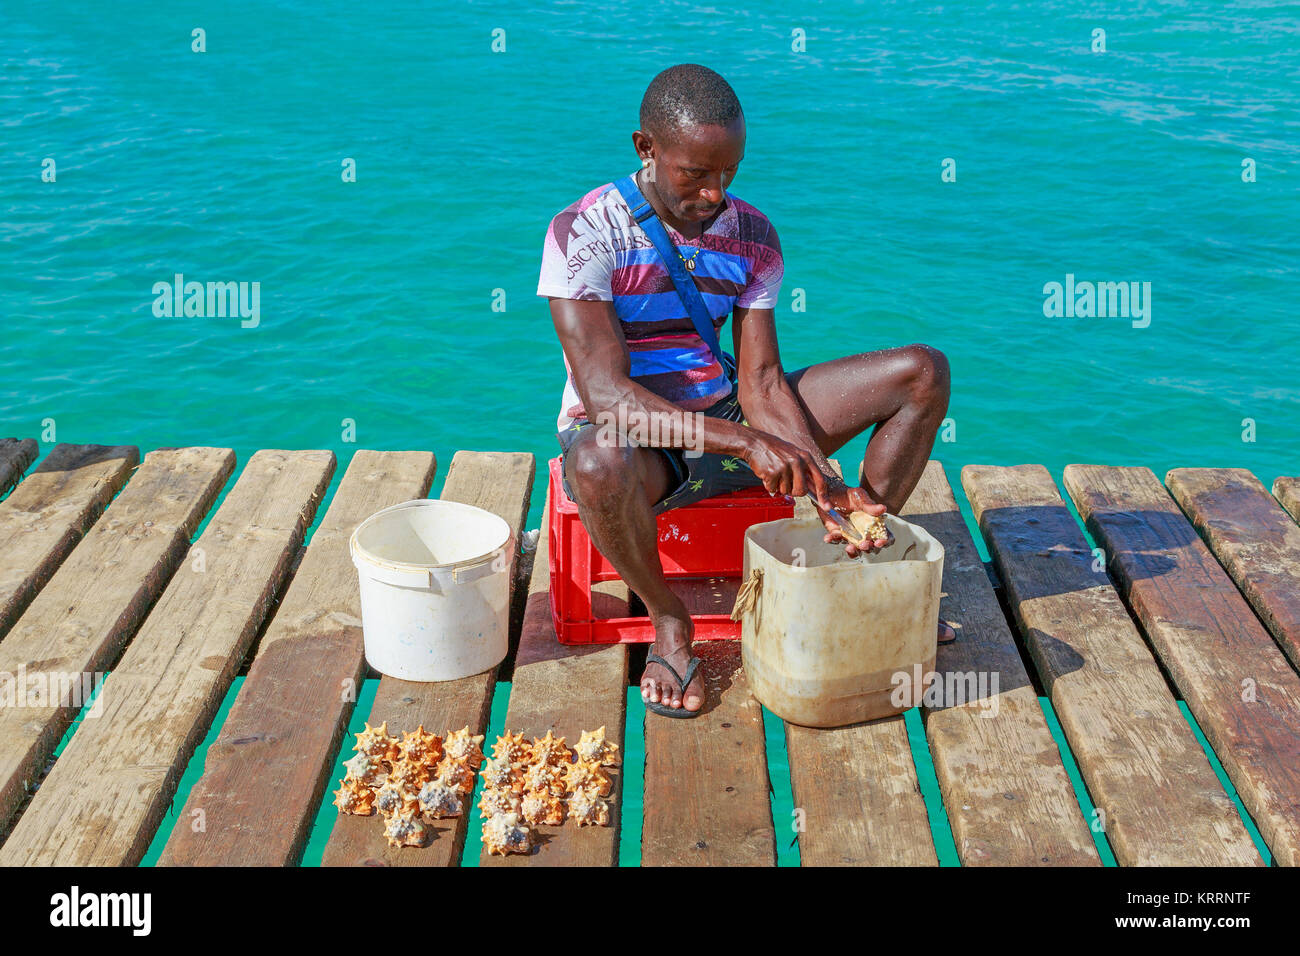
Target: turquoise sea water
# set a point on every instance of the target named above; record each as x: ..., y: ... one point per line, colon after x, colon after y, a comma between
x: 377, y: 319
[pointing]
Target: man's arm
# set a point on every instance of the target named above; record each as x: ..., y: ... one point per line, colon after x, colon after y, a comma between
x: 598, y: 356
x: 765, y: 395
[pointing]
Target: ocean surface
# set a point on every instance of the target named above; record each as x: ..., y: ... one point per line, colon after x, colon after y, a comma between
x: 399, y: 311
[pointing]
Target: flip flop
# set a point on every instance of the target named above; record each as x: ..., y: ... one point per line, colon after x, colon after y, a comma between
x: 663, y: 709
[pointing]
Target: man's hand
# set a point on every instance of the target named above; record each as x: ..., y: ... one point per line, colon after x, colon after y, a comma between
x: 848, y: 500
x: 785, y: 469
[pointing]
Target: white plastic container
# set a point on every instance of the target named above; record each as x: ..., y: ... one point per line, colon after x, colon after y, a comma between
x: 435, y: 589
x: 823, y: 635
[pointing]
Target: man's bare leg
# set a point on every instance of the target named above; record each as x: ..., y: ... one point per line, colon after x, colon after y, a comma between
x: 903, y: 392
x: 615, y: 490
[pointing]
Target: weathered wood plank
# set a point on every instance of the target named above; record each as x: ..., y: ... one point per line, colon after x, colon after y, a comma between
x: 111, y: 786
x: 857, y: 787
x: 15, y: 455
x: 266, y: 772
x: 88, y: 611
x: 566, y: 690
x: 47, y: 514
x: 1287, y: 491
x: 1005, y: 790
x: 707, y: 792
x: 1236, y: 681
x: 1163, y: 805
x: 501, y: 483
x: 1254, y: 539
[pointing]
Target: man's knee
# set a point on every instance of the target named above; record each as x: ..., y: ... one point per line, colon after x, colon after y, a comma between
x: 928, y: 376
x: 597, y: 471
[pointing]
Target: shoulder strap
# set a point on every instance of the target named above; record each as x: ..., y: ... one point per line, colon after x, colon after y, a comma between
x: 644, y: 214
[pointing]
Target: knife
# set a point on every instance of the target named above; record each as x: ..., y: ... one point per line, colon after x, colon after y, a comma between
x: 846, y: 527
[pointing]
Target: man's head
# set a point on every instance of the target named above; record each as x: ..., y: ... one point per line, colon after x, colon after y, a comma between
x: 693, y: 130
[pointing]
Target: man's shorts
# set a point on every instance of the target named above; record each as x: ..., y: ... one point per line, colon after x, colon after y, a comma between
x: 696, y: 477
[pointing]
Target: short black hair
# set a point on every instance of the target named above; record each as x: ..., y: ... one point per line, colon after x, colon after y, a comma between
x: 687, y: 95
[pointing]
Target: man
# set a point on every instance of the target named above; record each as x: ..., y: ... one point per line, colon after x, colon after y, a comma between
x: 633, y: 355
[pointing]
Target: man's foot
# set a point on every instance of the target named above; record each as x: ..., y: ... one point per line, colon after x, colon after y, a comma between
x: 946, y: 634
x: 673, y: 644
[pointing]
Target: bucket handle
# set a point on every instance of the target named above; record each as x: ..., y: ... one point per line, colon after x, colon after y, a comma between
x: 499, y: 560
x: 747, y: 597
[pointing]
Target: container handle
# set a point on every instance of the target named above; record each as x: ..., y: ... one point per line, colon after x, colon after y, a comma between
x: 499, y: 560
x: 747, y: 597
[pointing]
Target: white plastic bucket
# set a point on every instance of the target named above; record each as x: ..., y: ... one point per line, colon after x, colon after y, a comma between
x: 435, y: 589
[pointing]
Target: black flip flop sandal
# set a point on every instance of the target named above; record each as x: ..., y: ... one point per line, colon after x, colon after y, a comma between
x: 663, y: 709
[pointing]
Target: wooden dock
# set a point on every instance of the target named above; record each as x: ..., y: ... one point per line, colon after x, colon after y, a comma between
x: 1186, y: 597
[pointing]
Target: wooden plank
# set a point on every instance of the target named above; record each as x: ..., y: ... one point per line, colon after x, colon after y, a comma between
x: 111, y: 786
x: 267, y: 770
x: 15, y: 455
x: 1005, y: 790
x: 1162, y: 802
x: 566, y: 690
x: 78, y: 624
x: 45, y: 517
x: 707, y: 797
x: 1287, y: 492
x: 1254, y: 539
x: 502, y: 484
x: 1236, y: 681
x: 857, y: 787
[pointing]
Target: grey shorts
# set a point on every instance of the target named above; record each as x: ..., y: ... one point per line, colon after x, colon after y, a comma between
x: 697, y: 477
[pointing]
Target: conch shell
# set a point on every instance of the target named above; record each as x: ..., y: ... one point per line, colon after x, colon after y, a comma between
x: 506, y: 833
x: 410, y: 775
x: 540, y: 807
x: 499, y: 772
x: 495, y: 800
x: 588, y: 809
x: 511, y: 747
x: 543, y: 776
x: 377, y: 742
x: 593, y: 747
x: 869, y: 527
x: 439, y: 799
x: 367, y: 770
x: 352, y: 796
x: 549, y: 750
x: 391, y: 798
x: 405, y: 828
x: 461, y: 745
x: 420, y: 746
x: 455, y: 773
x: 587, y: 776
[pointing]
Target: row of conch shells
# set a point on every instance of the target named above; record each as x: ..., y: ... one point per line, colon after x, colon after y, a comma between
x: 543, y: 784
x: 409, y: 780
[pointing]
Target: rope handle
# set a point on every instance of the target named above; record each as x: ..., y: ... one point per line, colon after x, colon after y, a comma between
x: 747, y: 597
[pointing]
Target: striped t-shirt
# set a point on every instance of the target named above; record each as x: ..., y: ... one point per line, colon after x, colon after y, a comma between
x: 595, y: 250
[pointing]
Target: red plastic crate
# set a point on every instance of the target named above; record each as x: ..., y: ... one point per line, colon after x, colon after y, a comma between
x: 702, y: 540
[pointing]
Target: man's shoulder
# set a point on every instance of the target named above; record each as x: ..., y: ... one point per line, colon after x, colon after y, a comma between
x: 590, y: 202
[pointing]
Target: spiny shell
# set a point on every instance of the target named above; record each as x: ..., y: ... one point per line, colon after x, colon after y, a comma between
x: 405, y: 829
x: 421, y: 746
x: 511, y: 747
x: 506, y: 833
x: 461, y: 745
x: 869, y: 527
x: 367, y: 770
x: 377, y: 742
x: 588, y: 809
x: 409, y: 774
x: 456, y: 773
x: 549, y: 749
x: 540, y: 807
x: 440, y: 800
x: 391, y: 797
x: 495, y: 800
x: 352, y: 796
x: 498, y: 772
x: 588, y: 775
x: 593, y: 746
x: 541, y: 776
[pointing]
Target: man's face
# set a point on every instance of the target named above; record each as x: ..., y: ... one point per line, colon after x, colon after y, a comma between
x: 695, y: 165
